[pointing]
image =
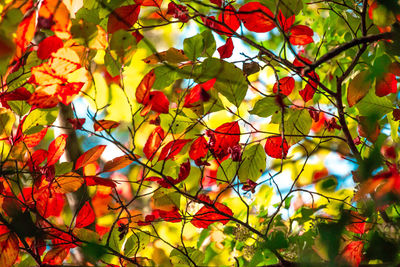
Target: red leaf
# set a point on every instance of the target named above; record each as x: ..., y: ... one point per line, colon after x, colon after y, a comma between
x: 172, y: 148
x: 217, y: 2
x: 104, y: 125
x: 208, y: 215
x: 386, y: 84
x: 298, y: 63
x: 284, y: 22
x: 117, y: 163
x: 143, y: 90
x: 178, y: 11
x: 85, y: 216
x: 159, y: 102
x: 352, y: 253
x: 123, y: 18
x: 94, y: 180
x: 18, y: 94
x: 77, y: 124
x: 89, y: 156
x: 226, y: 50
x: 68, y: 92
x: 286, y: 86
x: 49, y: 205
x: 307, y: 93
x: 199, y: 92
x: 153, y: 142
x: 254, y: 20
x: 225, y: 136
x: 56, y: 149
x: 49, y: 45
x: 33, y: 140
x: 273, y: 147
x: 229, y: 21
x: 155, y: 3
x: 198, y: 149
x: 37, y: 157
x: 300, y: 35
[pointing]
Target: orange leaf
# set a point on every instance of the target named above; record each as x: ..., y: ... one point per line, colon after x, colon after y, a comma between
x: 25, y: 33
x: 153, y: 142
x: 85, y: 216
x: 68, y: 183
x: 117, y: 163
x: 89, y: 156
x: 123, y: 18
x: 143, y: 90
x: 104, y: 125
x: 173, y: 148
x: 56, y: 255
x: 8, y: 249
x: 55, y: 15
x: 352, y: 253
x: 358, y: 88
x: 56, y: 149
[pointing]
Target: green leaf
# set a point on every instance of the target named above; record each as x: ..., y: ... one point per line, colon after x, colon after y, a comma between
x: 327, y: 185
x: 136, y: 243
x: 276, y: 240
x: 372, y: 104
x: 38, y: 118
x: 180, y: 259
x: 176, y: 124
x: 267, y: 106
x: 209, y: 43
x: 297, y: 122
x: 63, y: 167
x: 165, y: 76
x: 122, y: 41
x: 114, y: 243
x: 166, y: 197
x: 227, y: 170
x: 113, y: 66
x: 19, y: 107
x: 193, y: 46
x: 253, y: 164
x: 6, y: 122
x: 231, y: 82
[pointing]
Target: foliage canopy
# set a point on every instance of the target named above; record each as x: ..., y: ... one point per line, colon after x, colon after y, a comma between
x: 195, y: 133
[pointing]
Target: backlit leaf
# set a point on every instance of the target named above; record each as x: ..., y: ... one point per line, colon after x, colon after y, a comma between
x: 275, y: 147
x: 358, y: 87
x: 89, y: 156
x: 56, y: 149
x: 67, y: 183
x: 254, y: 20
x: 85, y: 216
x: 123, y: 18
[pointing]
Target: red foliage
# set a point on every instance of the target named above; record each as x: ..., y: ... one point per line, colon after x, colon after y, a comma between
x: 276, y: 148
x: 256, y: 17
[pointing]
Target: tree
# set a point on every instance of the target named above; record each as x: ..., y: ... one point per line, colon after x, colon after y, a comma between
x: 129, y: 139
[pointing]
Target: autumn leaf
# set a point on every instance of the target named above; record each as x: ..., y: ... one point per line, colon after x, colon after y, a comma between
x: 101, y: 125
x: 143, y: 90
x: 276, y: 148
x: 56, y: 149
x: 117, y: 163
x: 386, y: 84
x: 358, y: 87
x: 300, y: 35
x: 225, y: 136
x: 56, y: 255
x: 286, y: 86
x: 352, y: 253
x: 226, y: 50
x: 307, y: 93
x: 229, y: 21
x: 48, y: 46
x: 67, y: 183
x: 89, y: 156
x: 208, y: 215
x: 123, y: 18
x: 172, y: 149
x: 198, y: 149
x: 285, y: 23
x: 8, y: 247
x: 94, y: 180
x: 153, y: 142
x: 25, y: 33
x: 85, y: 216
x: 256, y: 17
